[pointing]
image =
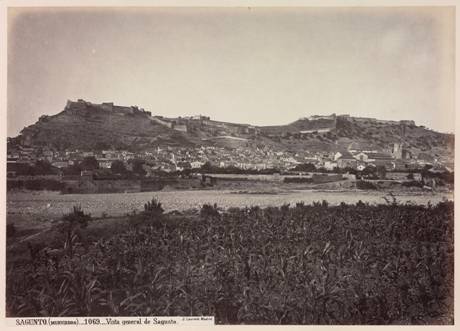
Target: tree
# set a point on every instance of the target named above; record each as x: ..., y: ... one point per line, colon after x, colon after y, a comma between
x: 118, y: 167
x: 71, y: 225
x: 187, y: 173
x: 305, y: 167
x: 138, y: 167
x: 43, y: 167
x: 349, y: 170
x: 207, y: 167
x: 89, y: 163
x: 153, y: 208
x: 73, y: 170
x: 381, y: 172
x: 425, y: 171
x: 369, y: 171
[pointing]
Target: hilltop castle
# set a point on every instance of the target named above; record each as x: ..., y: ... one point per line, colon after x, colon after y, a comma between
x: 80, y: 104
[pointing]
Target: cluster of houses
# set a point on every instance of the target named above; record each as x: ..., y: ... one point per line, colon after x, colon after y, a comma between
x: 398, y: 158
x: 172, y: 159
x: 362, y: 159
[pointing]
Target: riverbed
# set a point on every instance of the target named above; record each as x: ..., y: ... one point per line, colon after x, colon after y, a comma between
x: 54, y: 204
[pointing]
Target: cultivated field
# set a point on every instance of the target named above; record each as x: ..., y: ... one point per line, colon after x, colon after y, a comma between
x: 302, y: 264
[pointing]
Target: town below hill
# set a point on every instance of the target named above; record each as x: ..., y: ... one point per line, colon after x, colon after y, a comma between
x: 127, y: 143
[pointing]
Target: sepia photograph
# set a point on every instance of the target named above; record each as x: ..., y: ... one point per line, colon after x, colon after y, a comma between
x: 238, y: 165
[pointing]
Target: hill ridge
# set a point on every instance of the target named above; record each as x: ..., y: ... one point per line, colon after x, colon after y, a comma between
x: 86, y: 125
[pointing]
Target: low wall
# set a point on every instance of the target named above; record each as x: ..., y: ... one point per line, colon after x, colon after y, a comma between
x: 156, y: 184
x: 312, y: 177
x: 102, y: 186
x: 36, y: 184
x: 326, y: 178
x: 116, y: 185
x: 266, y: 178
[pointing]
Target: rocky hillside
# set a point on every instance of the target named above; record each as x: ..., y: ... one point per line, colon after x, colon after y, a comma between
x: 84, y: 125
x: 379, y: 134
x: 304, y: 125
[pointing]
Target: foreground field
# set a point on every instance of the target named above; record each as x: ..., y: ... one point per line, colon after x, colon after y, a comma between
x: 308, y: 264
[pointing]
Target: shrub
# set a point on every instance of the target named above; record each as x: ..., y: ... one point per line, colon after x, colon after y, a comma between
x: 71, y: 225
x: 152, y: 214
x: 365, y: 185
x: 298, y: 180
x: 209, y: 211
x: 153, y: 208
x: 35, y: 184
x: 412, y: 183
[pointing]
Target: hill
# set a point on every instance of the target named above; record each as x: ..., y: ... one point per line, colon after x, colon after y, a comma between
x: 84, y: 125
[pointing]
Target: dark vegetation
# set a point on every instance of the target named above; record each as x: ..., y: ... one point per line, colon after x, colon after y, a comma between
x: 307, y: 167
x: 413, y: 183
x: 370, y: 172
x: 365, y: 185
x: 298, y: 180
x: 35, y: 185
x: 307, y: 264
x: 40, y: 168
x: 43, y: 176
x: 117, y: 169
x: 443, y: 177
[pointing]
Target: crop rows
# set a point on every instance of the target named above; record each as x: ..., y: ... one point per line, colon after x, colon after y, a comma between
x: 304, y: 264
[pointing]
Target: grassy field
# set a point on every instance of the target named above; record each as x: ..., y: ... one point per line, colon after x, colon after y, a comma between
x: 302, y: 264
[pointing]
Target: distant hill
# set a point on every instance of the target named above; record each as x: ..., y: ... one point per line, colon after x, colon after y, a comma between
x: 84, y: 125
x: 304, y: 125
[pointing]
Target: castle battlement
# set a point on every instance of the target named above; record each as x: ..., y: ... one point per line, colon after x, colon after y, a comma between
x: 81, y: 104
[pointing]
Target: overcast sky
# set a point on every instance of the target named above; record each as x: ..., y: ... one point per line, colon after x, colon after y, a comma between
x: 261, y: 66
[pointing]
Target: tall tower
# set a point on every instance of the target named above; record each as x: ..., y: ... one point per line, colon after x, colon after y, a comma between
x: 402, y: 126
x: 397, y: 150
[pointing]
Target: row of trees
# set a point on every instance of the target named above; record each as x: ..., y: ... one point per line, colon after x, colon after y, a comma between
x: 117, y: 168
x: 40, y: 168
x: 136, y: 169
x: 43, y: 167
x: 369, y: 172
x: 379, y: 172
